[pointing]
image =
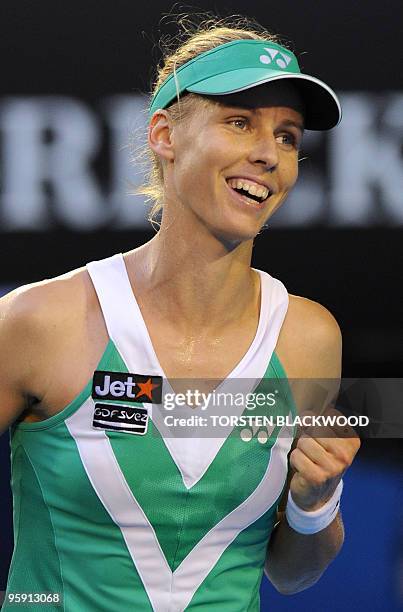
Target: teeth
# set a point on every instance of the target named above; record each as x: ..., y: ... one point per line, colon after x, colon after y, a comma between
x: 256, y: 190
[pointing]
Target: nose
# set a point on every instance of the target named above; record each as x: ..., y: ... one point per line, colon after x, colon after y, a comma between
x: 264, y: 151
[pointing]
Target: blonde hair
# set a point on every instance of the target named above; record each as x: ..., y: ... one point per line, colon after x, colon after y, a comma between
x: 195, y: 38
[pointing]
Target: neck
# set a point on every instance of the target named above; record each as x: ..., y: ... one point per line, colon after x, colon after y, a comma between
x: 194, y: 277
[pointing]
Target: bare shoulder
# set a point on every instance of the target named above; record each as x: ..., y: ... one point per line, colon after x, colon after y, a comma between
x: 36, y: 318
x: 314, y: 322
x: 36, y: 308
x: 310, y: 341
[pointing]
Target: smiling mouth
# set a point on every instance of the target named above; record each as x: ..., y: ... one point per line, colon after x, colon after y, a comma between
x: 255, y: 194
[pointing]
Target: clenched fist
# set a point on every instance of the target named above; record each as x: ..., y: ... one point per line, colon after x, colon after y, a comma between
x: 319, y: 460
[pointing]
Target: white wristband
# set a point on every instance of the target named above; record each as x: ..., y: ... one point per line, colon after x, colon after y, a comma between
x: 312, y: 522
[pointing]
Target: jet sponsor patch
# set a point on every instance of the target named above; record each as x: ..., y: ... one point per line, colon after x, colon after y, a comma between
x: 126, y: 387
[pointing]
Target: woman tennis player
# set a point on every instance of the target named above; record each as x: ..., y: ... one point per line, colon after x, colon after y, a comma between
x: 110, y: 513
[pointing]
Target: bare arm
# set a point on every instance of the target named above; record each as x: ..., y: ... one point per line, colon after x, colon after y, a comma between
x: 296, y: 561
x: 41, y: 326
x: 29, y: 317
x: 307, y: 556
x: 16, y: 363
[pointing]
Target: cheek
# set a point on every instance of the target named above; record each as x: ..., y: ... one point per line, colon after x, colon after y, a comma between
x: 289, y: 172
x: 198, y: 163
x: 186, y: 168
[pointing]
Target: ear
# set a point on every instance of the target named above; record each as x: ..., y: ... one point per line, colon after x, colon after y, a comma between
x: 160, y: 137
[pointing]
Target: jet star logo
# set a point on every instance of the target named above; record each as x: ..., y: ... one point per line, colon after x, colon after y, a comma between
x: 127, y: 387
x: 278, y: 57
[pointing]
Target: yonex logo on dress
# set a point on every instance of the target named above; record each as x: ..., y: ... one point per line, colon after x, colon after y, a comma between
x: 263, y: 433
x: 278, y: 57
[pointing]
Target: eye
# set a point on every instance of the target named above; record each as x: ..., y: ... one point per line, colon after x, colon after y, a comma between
x: 239, y: 122
x: 288, y: 139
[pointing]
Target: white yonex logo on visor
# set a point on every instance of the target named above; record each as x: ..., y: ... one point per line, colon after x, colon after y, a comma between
x: 281, y: 59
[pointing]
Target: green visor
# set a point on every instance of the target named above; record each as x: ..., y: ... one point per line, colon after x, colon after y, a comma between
x: 243, y: 64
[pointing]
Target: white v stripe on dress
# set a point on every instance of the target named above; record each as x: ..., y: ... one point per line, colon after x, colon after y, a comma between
x: 127, y: 329
x: 173, y: 591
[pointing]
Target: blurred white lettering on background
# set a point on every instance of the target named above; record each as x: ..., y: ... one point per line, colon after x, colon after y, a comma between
x: 64, y: 163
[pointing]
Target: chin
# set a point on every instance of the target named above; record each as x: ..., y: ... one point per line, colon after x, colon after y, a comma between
x: 231, y: 237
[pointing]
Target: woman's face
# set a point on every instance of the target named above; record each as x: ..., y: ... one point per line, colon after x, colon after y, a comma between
x: 227, y: 155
